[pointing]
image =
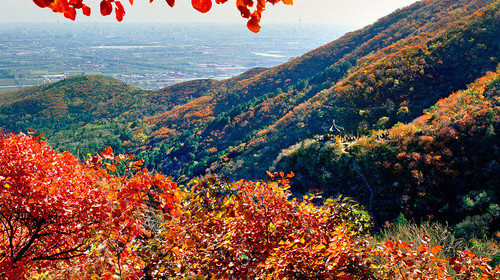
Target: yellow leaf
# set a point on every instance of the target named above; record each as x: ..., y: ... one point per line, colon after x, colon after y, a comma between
x: 176, y: 251
x: 321, y: 246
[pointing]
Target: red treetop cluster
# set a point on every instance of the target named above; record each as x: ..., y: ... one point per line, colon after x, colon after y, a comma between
x: 54, y: 209
x: 69, y: 7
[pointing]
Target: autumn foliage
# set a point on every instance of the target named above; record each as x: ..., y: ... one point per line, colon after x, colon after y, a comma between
x: 249, y: 9
x: 112, y: 219
x: 58, y: 213
x: 42, y: 194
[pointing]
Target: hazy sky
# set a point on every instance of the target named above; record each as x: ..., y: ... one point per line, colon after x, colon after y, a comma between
x: 350, y: 12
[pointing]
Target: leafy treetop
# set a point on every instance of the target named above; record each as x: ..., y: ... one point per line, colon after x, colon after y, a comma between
x: 248, y: 9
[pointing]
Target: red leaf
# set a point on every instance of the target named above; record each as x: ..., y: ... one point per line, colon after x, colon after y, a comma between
x: 107, y: 152
x: 202, y: 6
x: 119, y: 10
x: 131, y: 2
x: 171, y: 3
x: 86, y: 10
x: 242, y: 7
x: 43, y: 3
x: 78, y: 4
x: 106, y: 8
x: 426, y: 239
x: 70, y: 13
x: 469, y: 253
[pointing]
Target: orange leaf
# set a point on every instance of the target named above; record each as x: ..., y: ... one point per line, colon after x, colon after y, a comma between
x: 59, y: 6
x: 388, y: 244
x: 253, y: 23
x: 440, y: 271
x: 436, y: 249
x: 202, y: 6
x: 131, y: 2
x: 175, y: 211
x: 422, y: 248
x: 176, y: 251
x: 111, y: 167
x: 190, y: 243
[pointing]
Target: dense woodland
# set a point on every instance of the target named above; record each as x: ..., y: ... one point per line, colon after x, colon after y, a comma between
x: 391, y: 129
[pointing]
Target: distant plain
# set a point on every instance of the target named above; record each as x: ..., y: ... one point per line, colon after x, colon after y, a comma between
x: 149, y: 56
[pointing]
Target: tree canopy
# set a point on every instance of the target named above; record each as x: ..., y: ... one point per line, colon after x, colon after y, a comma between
x: 249, y: 9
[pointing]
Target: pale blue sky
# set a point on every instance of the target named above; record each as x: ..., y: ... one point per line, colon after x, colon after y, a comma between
x: 348, y: 12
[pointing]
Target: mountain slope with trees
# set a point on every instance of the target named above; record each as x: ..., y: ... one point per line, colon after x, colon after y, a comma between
x: 388, y: 72
x: 442, y: 164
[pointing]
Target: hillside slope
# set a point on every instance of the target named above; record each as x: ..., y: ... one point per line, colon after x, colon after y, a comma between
x: 372, y: 78
x: 86, y: 113
x: 443, y: 165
